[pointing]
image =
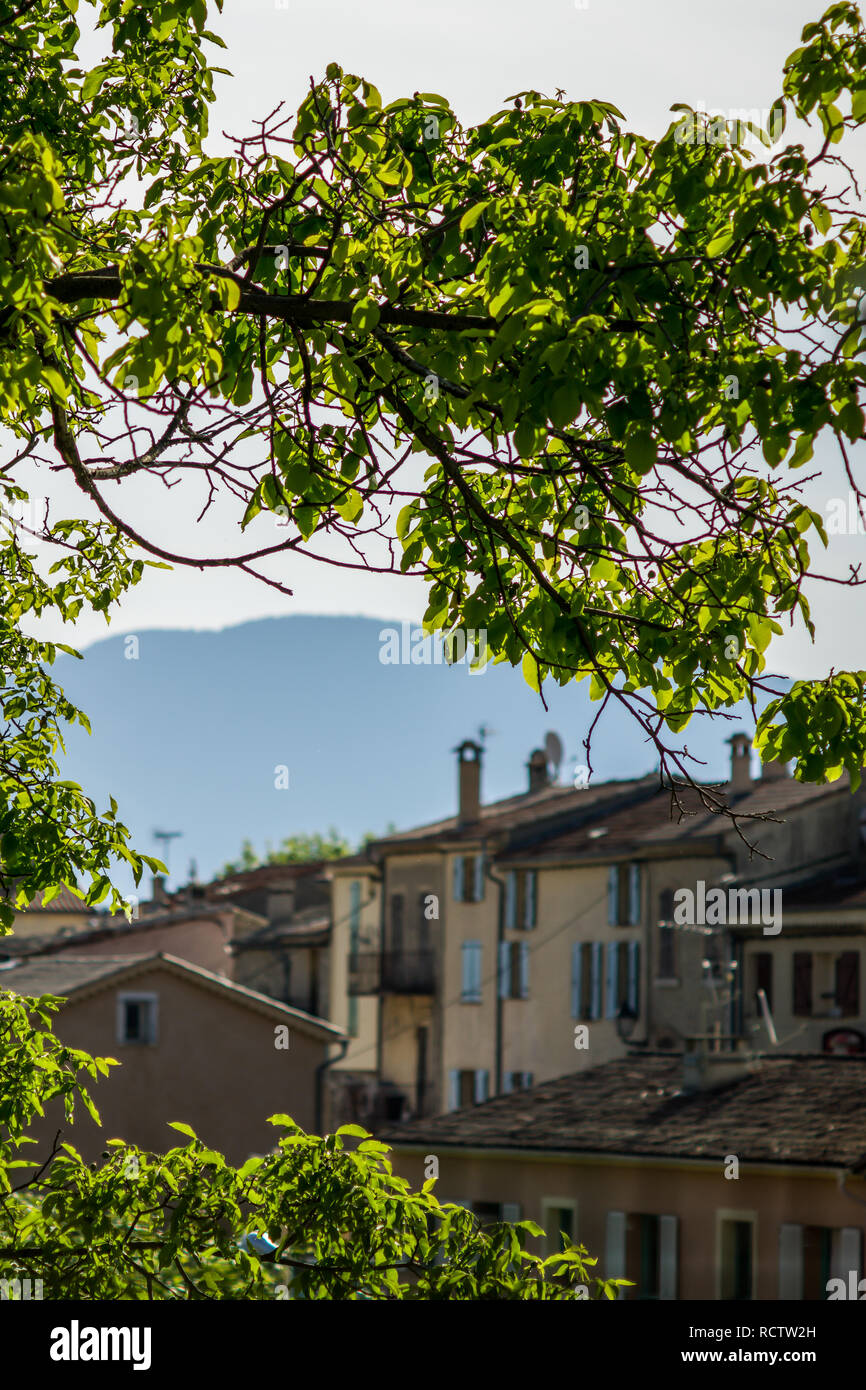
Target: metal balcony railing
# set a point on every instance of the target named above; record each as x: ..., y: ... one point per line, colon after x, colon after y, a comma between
x: 395, y: 972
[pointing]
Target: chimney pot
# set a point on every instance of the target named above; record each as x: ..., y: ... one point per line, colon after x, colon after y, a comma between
x: 741, y: 770
x: 537, y: 768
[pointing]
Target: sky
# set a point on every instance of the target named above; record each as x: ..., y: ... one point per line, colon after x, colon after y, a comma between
x: 642, y: 57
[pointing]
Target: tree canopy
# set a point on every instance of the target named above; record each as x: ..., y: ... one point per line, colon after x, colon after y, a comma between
x: 569, y: 374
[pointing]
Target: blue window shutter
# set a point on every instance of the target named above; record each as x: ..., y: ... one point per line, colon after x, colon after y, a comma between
x: 508, y: 1083
x: 482, y: 1078
x: 610, y: 979
x: 612, y: 896
x: 527, y: 1079
x: 476, y: 969
x: 634, y: 894
x: 595, y: 980
x: 454, y: 1089
x: 510, y: 1211
x: 614, y: 1247
x: 530, y: 899
x: 471, y: 961
x: 634, y: 976
x: 479, y: 878
x: 458, y: 878
x: 524, y: 970
x: 511, y: 901
x: 504, y: 970
x: 576, y: 959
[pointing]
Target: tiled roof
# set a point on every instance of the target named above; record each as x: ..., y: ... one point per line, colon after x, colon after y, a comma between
x: 66, y: 901
x: 108, y: 928
x: 802, y: 1109
x: 63, y: 974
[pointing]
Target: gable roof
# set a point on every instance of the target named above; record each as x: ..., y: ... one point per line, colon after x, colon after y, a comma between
x: 109, y: 928
x: 70, y: 976
x: 797, y: 1109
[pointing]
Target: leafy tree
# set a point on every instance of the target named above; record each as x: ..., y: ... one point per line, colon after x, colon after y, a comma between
x: 614, y: 355
x: 294, y: 849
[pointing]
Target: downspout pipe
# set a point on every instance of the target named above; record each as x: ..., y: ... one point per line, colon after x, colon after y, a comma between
x: 320, y: 1080
x: 500, y: 937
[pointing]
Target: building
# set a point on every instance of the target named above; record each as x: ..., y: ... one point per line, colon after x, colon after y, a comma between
x: 544, y: 933
x: 693, y: 1176
x: 194, y: 1046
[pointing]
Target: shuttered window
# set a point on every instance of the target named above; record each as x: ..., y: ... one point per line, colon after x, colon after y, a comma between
x: 802, y: 983
x: 848, y: 983
x: 471, y: 972
x: 764, y: 975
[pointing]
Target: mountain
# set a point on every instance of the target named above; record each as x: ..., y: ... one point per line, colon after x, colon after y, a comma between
x: 190, y: 730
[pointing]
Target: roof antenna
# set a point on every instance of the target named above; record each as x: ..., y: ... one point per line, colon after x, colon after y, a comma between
x: 166, y: 837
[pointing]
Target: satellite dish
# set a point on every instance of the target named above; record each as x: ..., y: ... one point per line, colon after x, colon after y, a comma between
x: 553, y: 751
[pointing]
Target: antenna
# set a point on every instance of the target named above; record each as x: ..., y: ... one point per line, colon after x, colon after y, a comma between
x: 553, y: 752
x: 166, y: 837
x: 484, y: 733
x: 768, y: 1017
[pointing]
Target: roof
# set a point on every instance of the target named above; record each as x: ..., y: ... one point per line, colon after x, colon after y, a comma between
x: 67, y: 975
x: 796, y: 1109
x: 525, y: 808
x: 309, y: 927
x: 66, y: 901
x: 109, y: 928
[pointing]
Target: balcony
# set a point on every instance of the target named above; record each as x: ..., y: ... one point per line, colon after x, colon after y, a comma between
x: 395, y: 972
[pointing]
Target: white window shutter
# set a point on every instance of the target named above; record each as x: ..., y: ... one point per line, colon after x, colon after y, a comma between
x: 790, y: 1261
x: 454, y: 1089
x: 479, y: 879
x: 610, y: 979
x: 634, y: 976
x: 524, y: 970
x: 511, y: 900
x: 612, y: 896
x: 529, y: 904
x: 576, y: 961
x: 634, y: 894
x: 595, y: 981
x: 481, y: 1085
x: 510, y: 1211
x: 845, y: 1253
x: 458, y: 878
x: 614, y: 1246
x: 504, y: 970
x: 667, y: 1257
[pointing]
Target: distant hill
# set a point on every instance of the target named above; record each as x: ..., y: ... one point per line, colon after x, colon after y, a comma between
x: 188, y: 735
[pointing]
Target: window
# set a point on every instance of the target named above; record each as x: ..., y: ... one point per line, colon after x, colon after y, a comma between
x: 826, y: 985
x: 423, y: 921
x: 763, y: 976
x: 491, y: 1213
x: 516, y: 1081
x: 667, y: 953
x: 521, y: 900
x: 623, y: 895
x: 513, y: 970
x: 559, y: 1223
x: 810, y: 1256
x: 736, y: 1267
x: 586, y: 970
x: 644, y: 1248
x: 467, y: 1087
x: 397, y: 907
x: 469, y: 878
x: 471, y: 972
x: 136, y: 1019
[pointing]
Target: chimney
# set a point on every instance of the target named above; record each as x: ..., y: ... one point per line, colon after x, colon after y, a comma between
x: 158, y: 893
x: 741, y: 772
x: 537, y: 768
x: 469, y: 782
x: 775, y: 770
x: 707, y: 1063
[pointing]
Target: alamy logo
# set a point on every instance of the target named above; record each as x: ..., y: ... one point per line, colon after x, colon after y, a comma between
x: 75, y: 1343
x: 836, y: 1288
x: 414, y: 647
x: 717, y: 908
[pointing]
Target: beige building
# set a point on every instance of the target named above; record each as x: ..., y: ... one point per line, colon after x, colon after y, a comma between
x: 739, y: 1181
x: 193, y: 1047
x: 541, y: 934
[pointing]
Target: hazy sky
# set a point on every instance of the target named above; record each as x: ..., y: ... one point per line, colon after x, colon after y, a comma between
x: 642, y: 57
